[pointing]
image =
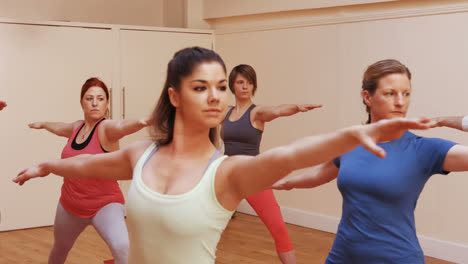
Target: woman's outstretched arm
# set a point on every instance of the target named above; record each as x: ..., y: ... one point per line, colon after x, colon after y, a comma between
x: 457, y: 157
x: 249, y: 175
x: 449, y: 121
x: 311, y: 178
x: 58, y: 128
x: 115, y: 130
x: 117, y: 165
x: 265, y: 113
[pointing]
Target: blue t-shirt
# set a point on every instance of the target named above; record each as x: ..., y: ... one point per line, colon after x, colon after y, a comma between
x: 379, y: 198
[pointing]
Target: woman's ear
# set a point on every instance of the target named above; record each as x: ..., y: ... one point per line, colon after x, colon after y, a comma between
x: 174, y: 97
x: 366, y: 97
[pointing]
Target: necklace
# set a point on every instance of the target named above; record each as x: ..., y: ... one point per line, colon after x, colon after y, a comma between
x: 84, y: 134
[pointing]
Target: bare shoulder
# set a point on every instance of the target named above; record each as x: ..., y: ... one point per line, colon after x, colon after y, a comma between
x: 107, y: 122
x: 256, y: 109
x: 76, y: 124
x: 136, y: 149
x: 138, y: 146
x: 256, y: 116
x: 228, y: 177
x: 231, y: 162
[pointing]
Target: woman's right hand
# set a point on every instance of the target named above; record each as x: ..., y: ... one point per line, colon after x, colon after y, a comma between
x: 307, y: 107
x: 29, y: 173
x: 386, y: 130
x: 281, y: 185
x: 36, y: 125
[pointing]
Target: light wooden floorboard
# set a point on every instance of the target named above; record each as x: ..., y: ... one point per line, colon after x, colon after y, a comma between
x: 245, y: 240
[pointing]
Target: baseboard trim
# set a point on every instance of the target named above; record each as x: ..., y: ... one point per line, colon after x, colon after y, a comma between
x: 432, y: 247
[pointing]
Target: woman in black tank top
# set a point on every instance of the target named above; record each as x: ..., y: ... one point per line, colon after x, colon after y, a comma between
x: 242, y: 132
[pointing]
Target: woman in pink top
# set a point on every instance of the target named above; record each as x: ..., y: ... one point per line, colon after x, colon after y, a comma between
x: 191, y: 107
x: 91, y: 201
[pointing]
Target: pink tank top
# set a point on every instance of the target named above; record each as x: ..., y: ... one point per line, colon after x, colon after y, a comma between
x: 85, y: 197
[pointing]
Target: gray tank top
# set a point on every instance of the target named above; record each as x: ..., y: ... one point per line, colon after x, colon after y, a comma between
x: 240, y: 137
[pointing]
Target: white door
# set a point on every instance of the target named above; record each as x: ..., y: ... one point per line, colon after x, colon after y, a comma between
x: 144, y: 59
x: 42, y: 69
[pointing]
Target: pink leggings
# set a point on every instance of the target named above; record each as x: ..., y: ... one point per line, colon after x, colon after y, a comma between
x: 268, y: 210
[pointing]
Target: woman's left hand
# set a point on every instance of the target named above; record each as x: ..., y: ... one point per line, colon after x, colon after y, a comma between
x: 435, y: 122
x: 144, y: 122
x: 29, y: 173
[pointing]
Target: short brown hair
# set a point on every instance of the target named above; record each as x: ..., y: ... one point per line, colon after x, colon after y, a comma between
x: 246, y: 71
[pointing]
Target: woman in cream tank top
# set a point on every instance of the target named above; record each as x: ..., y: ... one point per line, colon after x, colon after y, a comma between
x: 163, y: 224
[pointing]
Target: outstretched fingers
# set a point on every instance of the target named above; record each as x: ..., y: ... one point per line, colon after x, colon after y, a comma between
x: 387, y: 130
x: 370, y: 144
x: 21, y: 178
x: 308, y: 107
x: 35, y: 125
x: 144, y: 121
x: 28, y: 174
x: 280, y: 185
x: 396, y: 127
x: 418, y: 123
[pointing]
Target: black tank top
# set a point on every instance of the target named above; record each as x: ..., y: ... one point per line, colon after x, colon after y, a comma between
x: 83, y: 145
x: 240, y: 137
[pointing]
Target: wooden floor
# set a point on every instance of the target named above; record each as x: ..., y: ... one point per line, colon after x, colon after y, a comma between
x: 246, y: 240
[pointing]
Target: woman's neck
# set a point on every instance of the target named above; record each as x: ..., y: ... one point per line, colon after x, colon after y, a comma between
x: 190, y: 140
x: 88, y: 123
x: 243, y: 104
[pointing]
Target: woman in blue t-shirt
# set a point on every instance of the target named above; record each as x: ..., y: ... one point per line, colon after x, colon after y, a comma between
x: 380, y: 195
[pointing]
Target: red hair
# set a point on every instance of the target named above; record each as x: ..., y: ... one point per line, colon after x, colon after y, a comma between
x: 92, y: 82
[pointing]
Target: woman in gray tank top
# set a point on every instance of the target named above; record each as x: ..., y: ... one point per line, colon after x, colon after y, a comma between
x: 242, y: 132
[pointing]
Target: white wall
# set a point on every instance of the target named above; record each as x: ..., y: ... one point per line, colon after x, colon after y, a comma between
x: 174, y: 13
x: 135, y: 12
x: 228, y: 8
x: 195, y: 17
x: 41, y: 73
